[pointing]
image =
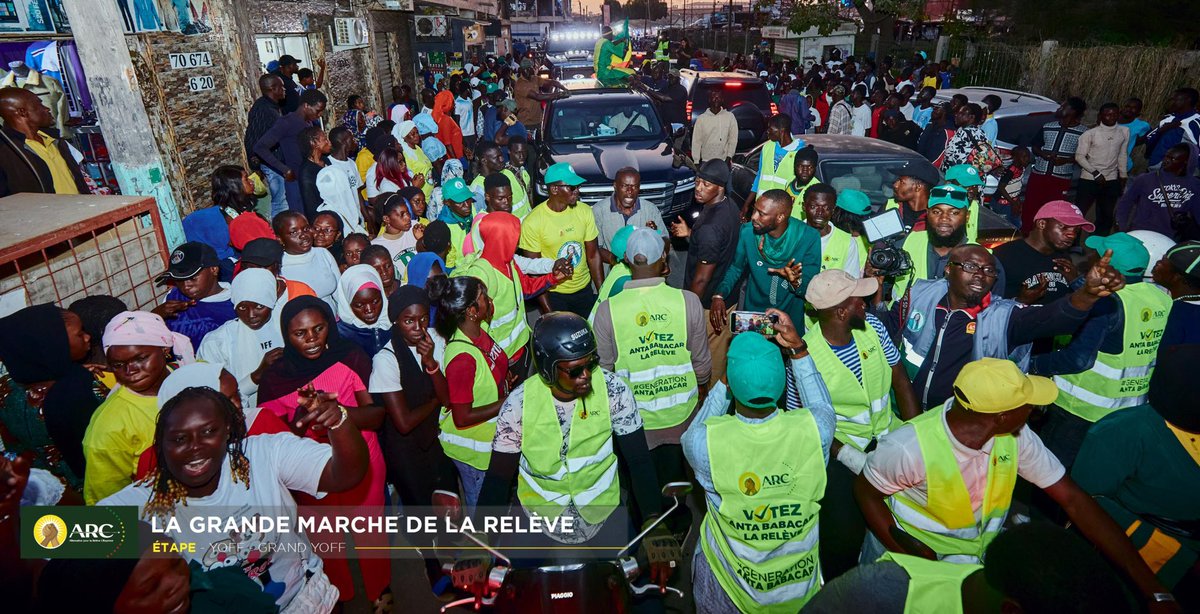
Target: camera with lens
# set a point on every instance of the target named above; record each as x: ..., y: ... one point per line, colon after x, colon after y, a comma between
x: 885, y: 232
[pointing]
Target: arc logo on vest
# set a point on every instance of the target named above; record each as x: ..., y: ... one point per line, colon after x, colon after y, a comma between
x: 751, y: 484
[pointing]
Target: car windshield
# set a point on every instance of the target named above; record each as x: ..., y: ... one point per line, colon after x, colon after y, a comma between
x: 597, y: 120
x: 1021, y: 129
x: 868, y: 176
x: 735, y: 92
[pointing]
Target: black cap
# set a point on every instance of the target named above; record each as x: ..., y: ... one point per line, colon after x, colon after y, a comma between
x: 437, y: 236
x: 920, y: 170
x: 263, y: 252
x: 286, y: 60
x: 714, y: 171
x: 187, y: 261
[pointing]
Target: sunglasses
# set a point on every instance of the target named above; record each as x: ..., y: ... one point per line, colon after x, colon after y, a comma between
x: 577, y: 372
x: 947, y: 193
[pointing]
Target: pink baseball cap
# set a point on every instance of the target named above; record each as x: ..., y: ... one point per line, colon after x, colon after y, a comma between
x: 1065, y: 213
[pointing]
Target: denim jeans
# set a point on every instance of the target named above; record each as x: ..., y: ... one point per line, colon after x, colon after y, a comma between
x: 472, y: 483
x: 275, y: 185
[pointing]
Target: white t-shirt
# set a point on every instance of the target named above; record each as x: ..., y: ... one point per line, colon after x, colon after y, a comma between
x: 466, y: 119
x: 341, y: 198
x: 278, y: 463
x: 385, y: 369
x: 402, y: 249
x: 317, y: 268
x: 384, y: 186
x: 861, y: 116
x: 240, y: 350
x: 349, y: 167
x: 907, y: 111
x: 897, y: 464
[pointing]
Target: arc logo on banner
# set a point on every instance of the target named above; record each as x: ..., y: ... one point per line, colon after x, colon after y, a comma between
x: 70, y: 532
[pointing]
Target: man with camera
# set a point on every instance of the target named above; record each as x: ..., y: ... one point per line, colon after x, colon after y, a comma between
x: 946, y: 323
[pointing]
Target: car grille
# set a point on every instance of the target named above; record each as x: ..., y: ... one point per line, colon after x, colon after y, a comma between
x: 661, y: 194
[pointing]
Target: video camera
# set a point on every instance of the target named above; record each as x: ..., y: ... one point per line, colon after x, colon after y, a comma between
x: 885, y: 233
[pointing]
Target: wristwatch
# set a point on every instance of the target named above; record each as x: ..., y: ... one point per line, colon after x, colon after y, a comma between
x: 795, y: 352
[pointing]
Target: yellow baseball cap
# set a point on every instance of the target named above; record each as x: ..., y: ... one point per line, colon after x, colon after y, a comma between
x: 995, y: 385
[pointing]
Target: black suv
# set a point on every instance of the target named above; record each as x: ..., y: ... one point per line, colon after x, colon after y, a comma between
x: 599, y: 131
x: 746, y: 96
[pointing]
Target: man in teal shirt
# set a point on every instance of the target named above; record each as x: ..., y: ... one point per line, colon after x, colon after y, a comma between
x: 778, y: 256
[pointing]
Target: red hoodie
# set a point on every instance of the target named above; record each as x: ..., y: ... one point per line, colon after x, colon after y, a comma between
x: 448, y: 131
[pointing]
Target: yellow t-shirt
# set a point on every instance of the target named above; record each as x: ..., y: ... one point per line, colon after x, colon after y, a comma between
x: 47, y: 150
x: 561, y: 235
x: 363, y: 161
x: 121, y: 429
x: 929, y: 82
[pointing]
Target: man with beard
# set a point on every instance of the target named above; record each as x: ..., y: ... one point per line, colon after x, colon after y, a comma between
x: 860, y: 366
x: 946, y: 323
x: 1039, y: 270
x: 778, y: 256
x: 945, y: 227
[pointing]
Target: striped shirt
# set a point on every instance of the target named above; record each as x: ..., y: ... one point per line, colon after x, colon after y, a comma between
x: 849, y: 356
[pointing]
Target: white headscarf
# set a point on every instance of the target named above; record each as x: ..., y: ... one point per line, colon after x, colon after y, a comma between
x: 254, y: 285
x: 195, y: 375
x: 400, y: 131
x: 399, y: 112
x: 353, y: 279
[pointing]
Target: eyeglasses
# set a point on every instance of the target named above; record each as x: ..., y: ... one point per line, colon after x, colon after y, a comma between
x: 954, y: 195
x: 577, y: 372
x: 974, y: 269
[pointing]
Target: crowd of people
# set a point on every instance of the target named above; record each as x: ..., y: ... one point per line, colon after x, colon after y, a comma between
x: 366, y: 337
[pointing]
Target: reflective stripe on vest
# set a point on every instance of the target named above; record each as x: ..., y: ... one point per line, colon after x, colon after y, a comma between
x: 1118, y: 381
x: 761, y: 542
x: 946, y: 523
x: 520, y: 195
x: 616, y: 273
x: 508, y: 326
x: 472, y: 445
x: 934, y: 587
x: 650, y: 330
x: 772, y: 176
x: 588, y: 478
x: 863, y: 409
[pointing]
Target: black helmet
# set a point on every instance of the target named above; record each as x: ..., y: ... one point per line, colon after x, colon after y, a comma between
x: 560, y: 336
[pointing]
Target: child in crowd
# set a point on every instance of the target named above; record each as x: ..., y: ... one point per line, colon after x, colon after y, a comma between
x: 1007, y: 198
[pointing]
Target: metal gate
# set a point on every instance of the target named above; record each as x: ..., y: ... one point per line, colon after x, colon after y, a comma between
x: 383, y: 67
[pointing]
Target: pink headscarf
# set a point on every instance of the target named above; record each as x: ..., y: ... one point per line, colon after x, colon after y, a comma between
x: 145, y: 328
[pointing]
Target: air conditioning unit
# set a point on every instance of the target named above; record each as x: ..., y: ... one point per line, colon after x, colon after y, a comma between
x: 401, y: 5
x: 350, y: 33
x: 431, y: 25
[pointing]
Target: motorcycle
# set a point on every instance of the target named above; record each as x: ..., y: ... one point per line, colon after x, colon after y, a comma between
x: 588, y: 587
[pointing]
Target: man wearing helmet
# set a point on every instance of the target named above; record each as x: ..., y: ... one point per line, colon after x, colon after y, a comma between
x: 557, y: 436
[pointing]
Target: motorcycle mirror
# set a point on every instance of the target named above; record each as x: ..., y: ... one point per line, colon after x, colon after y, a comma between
x: 677, y: 489
x: 449, y: 505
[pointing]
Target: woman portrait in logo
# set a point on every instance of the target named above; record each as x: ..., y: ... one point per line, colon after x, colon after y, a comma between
x: 749, y: 484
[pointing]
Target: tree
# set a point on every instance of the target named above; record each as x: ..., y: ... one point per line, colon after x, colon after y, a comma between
x: 1122, y: 22
x: 877, y: 16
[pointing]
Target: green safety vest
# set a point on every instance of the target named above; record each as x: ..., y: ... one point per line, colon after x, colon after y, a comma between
x: 934, y: 587
x: 662, y: 53
x: 508, y: 326
x: 772, y: 177
x: 650, y: 326
x: 546, y: 483
x: 863, y: 408
x: 835, y: 253
x: 917, y: 246
x: 1121, y: 380
x: 972, y: 222
x: 520, y: 196
x: 946, y: 523
x: 457, y: 237
x: 472, y: 445
x: 761, y: 543
x: 616, y: 273
x: 798, y: 195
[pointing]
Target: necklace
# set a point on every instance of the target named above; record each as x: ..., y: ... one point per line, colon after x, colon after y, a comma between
x: 1188, y: 297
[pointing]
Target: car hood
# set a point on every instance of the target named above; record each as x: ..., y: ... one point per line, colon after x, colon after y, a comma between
x: 599, y: 162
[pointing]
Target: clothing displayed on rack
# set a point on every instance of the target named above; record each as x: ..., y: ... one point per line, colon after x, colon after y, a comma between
x: 47, y: 88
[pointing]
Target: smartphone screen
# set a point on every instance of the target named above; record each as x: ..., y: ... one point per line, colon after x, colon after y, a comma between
x: 751, y: 321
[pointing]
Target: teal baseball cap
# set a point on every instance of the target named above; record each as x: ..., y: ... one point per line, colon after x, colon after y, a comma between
x: 948, y: 194
x: 456, y: 190
x: 964, y: 175
x: 620, y: 240
x: 562, y: 172
x: 1129, y: 255
x: 755, y: 371
x: 854, y: 201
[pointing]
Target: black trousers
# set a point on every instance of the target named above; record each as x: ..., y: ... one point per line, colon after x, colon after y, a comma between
x: 842, y: 524
x: 579, y: 302
x: 1104, y: 196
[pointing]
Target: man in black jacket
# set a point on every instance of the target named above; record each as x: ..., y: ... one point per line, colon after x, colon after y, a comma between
x: 32, y: 157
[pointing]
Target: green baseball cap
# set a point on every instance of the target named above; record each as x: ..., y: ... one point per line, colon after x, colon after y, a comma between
x: 562, y: 172
x: 456, y: 190
x: 964, y: 175
x: 854, y: 201
x: 620, y: 240
x: 1129, y: 255
x: 755, y: 371
x: 492, y: 87
x: 948, y: 194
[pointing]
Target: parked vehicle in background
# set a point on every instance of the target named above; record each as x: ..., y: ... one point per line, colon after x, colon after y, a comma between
x: 1020, y: 118
x: 601, y: 130
x: 746, y: 96
x: 860, y: 163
